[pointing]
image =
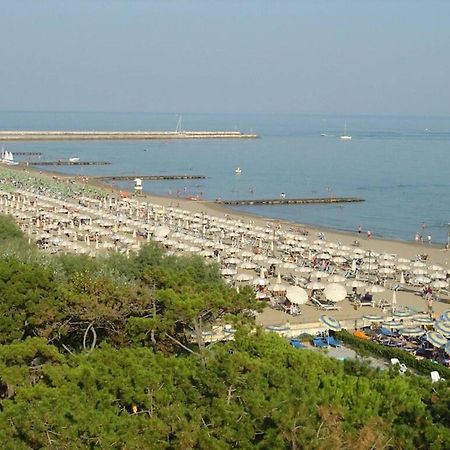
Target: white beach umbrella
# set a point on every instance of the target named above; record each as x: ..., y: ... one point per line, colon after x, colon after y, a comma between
x: 402, y: 267
x: 421, y: 280
x: 336, y: 279
x: 438, y: 276
x: 375, y: 288
x: 228, y: 272
x: 373, y: 318
x: 319, y: 274
x: 315, y: 285
x: 439, y: 284
x: 435, y: 267
x: 356, y: 284
x: 335, y: 292
x: 419, y: 271
x: 296, y: 295
x: 418, y: 264
x: 243, y: 277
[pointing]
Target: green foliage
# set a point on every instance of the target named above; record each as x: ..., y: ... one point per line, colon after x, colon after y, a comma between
x: 365, y: 347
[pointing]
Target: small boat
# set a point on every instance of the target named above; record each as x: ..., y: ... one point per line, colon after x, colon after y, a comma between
x: 324, y: 134
x: 7, y: 158
x: 74, y: 159
x: 237, y: 171
x: 345, y: 136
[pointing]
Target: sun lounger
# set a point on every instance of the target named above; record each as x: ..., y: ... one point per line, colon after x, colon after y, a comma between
x: 333, y: 342
x: 297, y: 344
x: 319, y: 342
x: 323, y: 304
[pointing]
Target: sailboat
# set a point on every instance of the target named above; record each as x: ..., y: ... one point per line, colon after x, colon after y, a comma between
x: 237, y: 171
x: 345, y: 136
x: 7, y: 158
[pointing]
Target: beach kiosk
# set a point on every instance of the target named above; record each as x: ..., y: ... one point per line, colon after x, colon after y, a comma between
x: 137, y: 186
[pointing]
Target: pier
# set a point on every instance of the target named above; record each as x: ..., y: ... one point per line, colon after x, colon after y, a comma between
x: 120, y: 135
x: 67, y: 163
x: 27, y: 153
x: 291, y: 201
x: 147, y: 177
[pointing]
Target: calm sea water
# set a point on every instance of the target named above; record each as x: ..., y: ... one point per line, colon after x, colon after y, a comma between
x: 399, y: 165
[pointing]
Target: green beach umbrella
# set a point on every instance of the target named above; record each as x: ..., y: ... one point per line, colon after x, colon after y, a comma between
x: 423, y: 320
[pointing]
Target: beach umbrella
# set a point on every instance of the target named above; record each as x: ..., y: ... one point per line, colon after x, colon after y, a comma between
x: 442, y: 327
x: 436, y: 339
x: 423, y: 320
x: 243, y: 277
x: 445, y: 316
x: 335, y: 292
x: 369, y: 267
x: 386, y: 271
x: 373, y: 318
x: 336, y: 279
x: 392, y: 324
x: 315, y: 285
x: 330, y: 322
x: 438, y: 276
x: 419, y: 271
x: 403, y: 260
x: 375, y: 288
x: 435, y: 267
x: 296, y: 295
x: 248, y: 266
x: 262, y: 295
x: 319, y: 274
x: 421, y: 280
x: 403, y: 313
x: 413, y: 332
x: 303, y: 269
x: 278, y: 287
x: 339, y: 260
x: 228, y: 272
x: 439, y: 284
x: 259, y: 281
x: 161, y: 231
x: 323, y: 256
x: 356, y: 284
x: 402, y: 267
x: 418, y: 264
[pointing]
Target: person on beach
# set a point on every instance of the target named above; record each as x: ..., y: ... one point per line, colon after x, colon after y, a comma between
x: 359, y: 229
x: 369, y: 234
x: 430, y: 305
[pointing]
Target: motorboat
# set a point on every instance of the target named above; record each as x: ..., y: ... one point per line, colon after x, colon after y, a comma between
x: 237, y: 171
x: 74, y: 159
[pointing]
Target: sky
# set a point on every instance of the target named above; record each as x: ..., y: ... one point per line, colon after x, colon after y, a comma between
x: 229, y: 56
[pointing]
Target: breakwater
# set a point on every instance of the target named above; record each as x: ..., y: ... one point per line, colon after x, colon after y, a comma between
x: 291, y: 201
x: 67, y: 163
x: 120, y: 135
x: 147, y: 177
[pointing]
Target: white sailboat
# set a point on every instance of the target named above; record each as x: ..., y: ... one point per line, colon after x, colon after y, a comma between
x: 345, y: 136
x: 7, y: 158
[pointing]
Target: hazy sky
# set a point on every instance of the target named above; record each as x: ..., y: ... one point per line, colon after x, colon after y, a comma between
x: 316, y: 56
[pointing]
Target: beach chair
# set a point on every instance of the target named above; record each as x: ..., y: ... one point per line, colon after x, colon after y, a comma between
x: 401, y: 367
x: 319, y: 342
x: 334, y: 342
x: 435, y: 377
x: 297, y: 344
x: 322, y: 304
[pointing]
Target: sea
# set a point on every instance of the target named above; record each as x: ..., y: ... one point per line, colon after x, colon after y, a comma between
x: 399, y: 165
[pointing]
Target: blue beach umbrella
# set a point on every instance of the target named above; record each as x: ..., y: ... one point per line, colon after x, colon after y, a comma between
x: 330, y: 322
x: 414, y: 332
x: 445, y: 316
x: 436, y: 339
x: 443, y: 327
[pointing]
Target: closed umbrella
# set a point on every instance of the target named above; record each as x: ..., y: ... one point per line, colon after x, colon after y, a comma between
x: 296, y: 295
x: 335, y: 292
x: 436, y: 339
x: 330, y: 322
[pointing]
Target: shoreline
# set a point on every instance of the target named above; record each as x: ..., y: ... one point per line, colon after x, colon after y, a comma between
x: 410, y: 249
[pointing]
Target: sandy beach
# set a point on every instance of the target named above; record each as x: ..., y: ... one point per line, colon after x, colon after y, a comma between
x: 349, y: 315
